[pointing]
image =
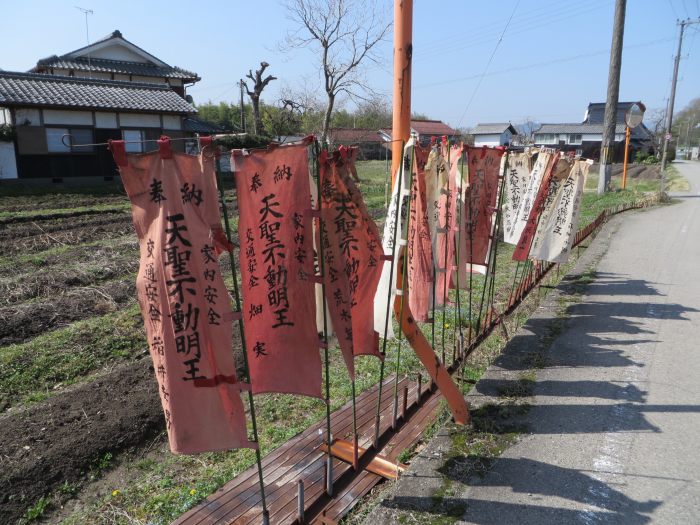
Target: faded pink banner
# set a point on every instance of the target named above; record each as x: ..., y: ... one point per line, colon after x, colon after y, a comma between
x: 277, y: 269
x: 185, y: 304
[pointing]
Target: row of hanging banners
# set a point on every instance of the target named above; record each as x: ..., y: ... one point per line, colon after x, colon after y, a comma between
x: 305, y: 240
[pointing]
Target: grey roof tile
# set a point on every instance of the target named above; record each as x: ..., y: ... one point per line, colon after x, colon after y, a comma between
x: 102, y: 65
x: 34, y: 89
x: 491, y: 128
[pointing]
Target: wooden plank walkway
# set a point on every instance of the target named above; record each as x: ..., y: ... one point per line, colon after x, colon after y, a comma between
x: 301, y: 458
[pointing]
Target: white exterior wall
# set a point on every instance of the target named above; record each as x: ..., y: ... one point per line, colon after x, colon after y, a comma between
x: 31, y: 117
x: 135, y: 120
x: 487, y: 140
x: 172, y: 122
x: 5, y: 116
x: 117, y: 52
x: 105, y: 120
x: 59, y: 116
x: 8, y: 164
x: 148, y: 80
x: 92, y: 74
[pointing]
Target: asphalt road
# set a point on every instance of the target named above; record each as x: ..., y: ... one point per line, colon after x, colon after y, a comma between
x: 613, y: 432
x: 616, y: 418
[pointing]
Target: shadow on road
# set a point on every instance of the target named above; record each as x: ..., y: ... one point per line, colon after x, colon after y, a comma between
x: 590, y: 334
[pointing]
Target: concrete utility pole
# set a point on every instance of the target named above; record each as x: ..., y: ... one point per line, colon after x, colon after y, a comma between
x: 672, y: 99
x: 610, y: 119
x: 240, y: 85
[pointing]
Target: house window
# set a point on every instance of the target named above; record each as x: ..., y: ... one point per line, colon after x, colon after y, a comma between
x: 134, y: 140
x: 546, y: 138
x: 56, y: 143
x: 574, y: 138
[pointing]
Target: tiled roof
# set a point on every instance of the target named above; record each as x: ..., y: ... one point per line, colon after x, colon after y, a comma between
x: 431, y: 127
x: 33, y: 89
x: 353, y: 135
x: 493, y: 129
x: 102, y: 65
x: 576, y: 128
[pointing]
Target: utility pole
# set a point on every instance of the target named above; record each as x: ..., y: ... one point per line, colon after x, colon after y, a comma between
x: 672, y: 99
x: 240, y: 85
x: 610, y: 120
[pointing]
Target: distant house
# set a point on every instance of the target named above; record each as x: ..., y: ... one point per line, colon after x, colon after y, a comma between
x: 370, y: 141
x: 494, y: 134
x: 111, y: 89
x: 586, y: 137
x: 427, y: 130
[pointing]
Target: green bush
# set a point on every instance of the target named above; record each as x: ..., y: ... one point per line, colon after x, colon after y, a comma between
x: 7, y: 133
x: 641, y: 156
x: 242, y: 141
x: 651, y: 159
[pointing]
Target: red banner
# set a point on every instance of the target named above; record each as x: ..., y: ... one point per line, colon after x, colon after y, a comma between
x: 479, y: 211
x: 352, y: 252
x: 420, y: 250
x: 277, y: 269
x: 183, y: 299
x: 522, y: 249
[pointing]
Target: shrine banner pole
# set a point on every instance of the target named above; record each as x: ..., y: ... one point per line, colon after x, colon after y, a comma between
x: 237, y: 301
x: 403, y: 53
x: 321, y: 265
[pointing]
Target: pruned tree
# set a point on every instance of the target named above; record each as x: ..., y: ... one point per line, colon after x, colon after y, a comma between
x: 259, y: 84
x: 344, y: 34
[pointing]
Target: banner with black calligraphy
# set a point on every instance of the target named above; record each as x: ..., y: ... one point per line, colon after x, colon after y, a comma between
x: 556, y: 232
x: 479, y: 212
x: 544, y: 158
x: 393, y: 237
x: 183, y: 299
x: 420, y: 250
x: 352, y: 255
x: 441, y: 190
x: 516, y: 179
x: 522, y: 249
x: 277, y: 269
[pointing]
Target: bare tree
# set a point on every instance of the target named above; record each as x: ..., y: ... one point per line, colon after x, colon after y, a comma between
x: 344, y: 33
x: 259, y: 84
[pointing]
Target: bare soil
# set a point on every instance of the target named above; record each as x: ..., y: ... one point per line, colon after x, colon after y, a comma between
x: 634, y: 171
x: 62, y: 440
x: 19, y: 323
x: 21, y: 238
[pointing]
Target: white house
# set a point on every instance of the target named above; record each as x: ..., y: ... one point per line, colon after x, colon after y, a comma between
x: 495, y: 134
x: 586, y: 137
x: 111, y: 89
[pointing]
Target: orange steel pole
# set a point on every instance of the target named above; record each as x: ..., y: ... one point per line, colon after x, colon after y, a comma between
x: 403, y: 52
x: 627, y: 149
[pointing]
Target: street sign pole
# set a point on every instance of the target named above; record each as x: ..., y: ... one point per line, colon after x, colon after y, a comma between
x: 627, y: 151
x: 633, y: 118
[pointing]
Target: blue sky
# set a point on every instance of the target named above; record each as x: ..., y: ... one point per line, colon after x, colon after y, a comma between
x: 552, y: 61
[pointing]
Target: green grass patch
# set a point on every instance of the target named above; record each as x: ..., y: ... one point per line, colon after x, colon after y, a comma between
x: 30, y: 371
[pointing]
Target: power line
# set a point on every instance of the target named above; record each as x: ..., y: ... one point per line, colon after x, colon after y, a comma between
x: 523, y: 24
x: 544, y: 63
x: 675, y: 13
x: 476, y: 88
